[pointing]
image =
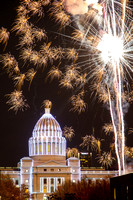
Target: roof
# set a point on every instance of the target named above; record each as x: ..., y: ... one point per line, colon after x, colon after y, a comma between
x: 47, y: 126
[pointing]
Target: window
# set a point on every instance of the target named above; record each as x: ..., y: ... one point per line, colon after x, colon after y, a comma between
x: 49, y: 146
x: 45, y: 181
x: 53, y: 147
x: 52, y: 170
x: 35, y: 148
x: 52, y: 181
x: 52, y: 189
x: 16, y: 182
x: 26, y: 190
x: 59, y: 181
x: 114, y: 193
x: 49, y: 184
x: 45, y: 170
x: 45, y: 189
x: 44, y: 147
x: 40, y: 145
x: 57, y: 148
x: 60, y: 148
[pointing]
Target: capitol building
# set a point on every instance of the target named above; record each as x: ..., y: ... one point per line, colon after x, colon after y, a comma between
x: 47, y: 167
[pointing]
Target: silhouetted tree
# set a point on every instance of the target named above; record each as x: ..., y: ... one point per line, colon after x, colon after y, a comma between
x: 84, y: 190
x: 9, y: 191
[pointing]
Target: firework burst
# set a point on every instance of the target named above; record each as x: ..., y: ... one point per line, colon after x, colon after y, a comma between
x: 55, y: 72
x: 78, y: 103
x: 16, y: 101
x: 68, y: 132
x: 90, y: 142
x: 108, y: 128
x: 106, y: 159
x: 4, y: 36
x: 98, y: 52
x: 10, y: 64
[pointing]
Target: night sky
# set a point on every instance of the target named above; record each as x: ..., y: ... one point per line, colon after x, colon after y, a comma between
x: 16, y: 129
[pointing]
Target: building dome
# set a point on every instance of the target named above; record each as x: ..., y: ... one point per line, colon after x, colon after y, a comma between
x: 47, y: 126
x: 47, y: 136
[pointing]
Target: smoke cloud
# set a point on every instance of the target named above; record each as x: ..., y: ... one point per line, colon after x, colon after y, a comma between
x: 78, y: 7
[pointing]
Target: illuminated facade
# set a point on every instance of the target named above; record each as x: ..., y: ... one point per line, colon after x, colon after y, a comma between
x: 46, y: 168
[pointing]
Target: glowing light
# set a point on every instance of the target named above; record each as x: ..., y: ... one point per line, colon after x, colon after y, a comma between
x: 111, y: 48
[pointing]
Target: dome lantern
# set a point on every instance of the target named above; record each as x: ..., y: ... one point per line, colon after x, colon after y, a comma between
x: 48, y: 105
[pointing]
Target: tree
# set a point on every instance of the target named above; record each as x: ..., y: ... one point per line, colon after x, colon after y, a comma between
x: 84, y: 190
x: 9, y: 191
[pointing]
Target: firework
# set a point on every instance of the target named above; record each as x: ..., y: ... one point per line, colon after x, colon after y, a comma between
x: 21, y: 24
x: 68, y: 132
x: 35, y: 7
x: 129, y: 152
x: 75, y: 152
x: 55, y: 72
x: 26, y: 53
x: 35, y: 57
x: 47, y: 103
x: 130, y: 131
x: 71, y: 53
x: 71, y: 72
x: 65, y: 82
x: 90, y: 142
x: 99, y: 56
x: 108, y: 128
x: 106, y: 159
x: 72, y: 152
x: 16, y: 101
x: 4, y: 36
x: 26, y: 39
x: 58, y: 11
x: 30, y: 75
x: 19, y: 81
x: 112, y: 48
x: 10, y: 64
x: 78, y: 103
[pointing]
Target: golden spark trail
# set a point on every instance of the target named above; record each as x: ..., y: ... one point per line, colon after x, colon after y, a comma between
x: 113, y: 37
x: 118, y: 123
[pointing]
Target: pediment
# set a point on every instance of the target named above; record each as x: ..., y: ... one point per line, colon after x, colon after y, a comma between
x: 52, y: 163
